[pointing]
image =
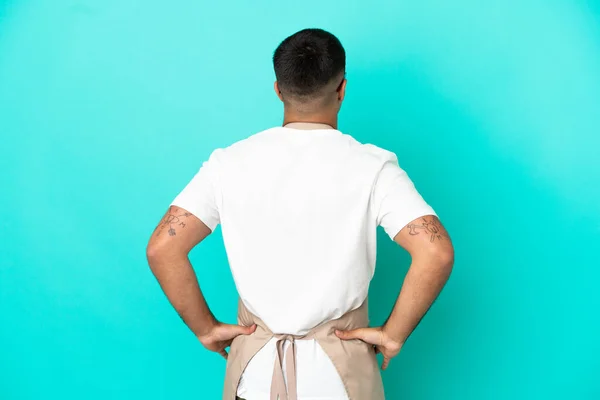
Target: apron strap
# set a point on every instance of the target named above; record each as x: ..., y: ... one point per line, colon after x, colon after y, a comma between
x: 279, y: 391
x: 354, y: 361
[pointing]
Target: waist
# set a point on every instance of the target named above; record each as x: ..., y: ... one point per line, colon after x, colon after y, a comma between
x: 302, y: 315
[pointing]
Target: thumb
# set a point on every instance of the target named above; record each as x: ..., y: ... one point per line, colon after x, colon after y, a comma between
x: 242, y: 330
x: 367, y: 335
x: 352, y: 334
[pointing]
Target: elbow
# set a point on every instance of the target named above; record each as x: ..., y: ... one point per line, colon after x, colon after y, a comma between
x: 158, y: 259
x: 446, y: 257
x: 445, y: 260
x: 161, y: 253
x: 154, y: 253
x: 439, y: 259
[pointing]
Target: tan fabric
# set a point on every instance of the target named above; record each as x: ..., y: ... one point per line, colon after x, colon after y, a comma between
x: 354, y: 360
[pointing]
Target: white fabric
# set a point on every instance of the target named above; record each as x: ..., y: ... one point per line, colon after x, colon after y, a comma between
x: 299, y: 211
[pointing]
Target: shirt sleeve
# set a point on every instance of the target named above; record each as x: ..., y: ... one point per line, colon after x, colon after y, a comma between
x: 396, y: 199
x: 200, y: 195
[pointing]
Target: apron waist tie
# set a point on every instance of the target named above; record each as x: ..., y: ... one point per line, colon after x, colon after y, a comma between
x: 279, y: 390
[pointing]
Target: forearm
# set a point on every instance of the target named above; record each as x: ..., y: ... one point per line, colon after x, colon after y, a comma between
x: 422, y: 285
x: 180, y: 284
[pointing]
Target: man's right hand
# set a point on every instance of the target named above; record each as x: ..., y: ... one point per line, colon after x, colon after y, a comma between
x: 377, y: 337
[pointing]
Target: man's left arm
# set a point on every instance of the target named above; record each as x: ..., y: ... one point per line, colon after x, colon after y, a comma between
x: 167, y: 253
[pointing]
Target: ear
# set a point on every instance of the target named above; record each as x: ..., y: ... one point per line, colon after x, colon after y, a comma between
x: 277, y: 91
x: 342, y: 90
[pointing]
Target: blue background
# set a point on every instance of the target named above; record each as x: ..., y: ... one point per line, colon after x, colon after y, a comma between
x: 108, y: 108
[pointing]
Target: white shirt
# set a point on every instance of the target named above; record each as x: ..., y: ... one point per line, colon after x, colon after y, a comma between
x: 299, y: 211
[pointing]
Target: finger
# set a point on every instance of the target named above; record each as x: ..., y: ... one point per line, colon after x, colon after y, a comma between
x: 385, y: 364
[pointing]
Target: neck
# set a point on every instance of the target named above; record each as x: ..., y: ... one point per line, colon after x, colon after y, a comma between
x: 331, y: 120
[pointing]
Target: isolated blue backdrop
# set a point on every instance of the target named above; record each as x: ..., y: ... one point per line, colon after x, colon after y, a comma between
x: 107, y: 108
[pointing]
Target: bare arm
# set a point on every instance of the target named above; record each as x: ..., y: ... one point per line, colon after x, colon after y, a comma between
x: 167, y: 252
x: 432, y: 260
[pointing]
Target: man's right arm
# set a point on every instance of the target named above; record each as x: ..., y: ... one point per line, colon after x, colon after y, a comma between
x: 432, y: 261
x: 432, y: 254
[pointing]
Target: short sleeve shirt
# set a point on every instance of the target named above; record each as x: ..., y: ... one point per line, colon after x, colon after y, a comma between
x: 299, y: 210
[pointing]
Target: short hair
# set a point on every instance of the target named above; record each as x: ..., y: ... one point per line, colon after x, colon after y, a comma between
x: 307, y: 61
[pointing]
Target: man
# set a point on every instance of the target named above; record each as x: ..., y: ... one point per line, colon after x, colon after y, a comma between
x: 299, y: 205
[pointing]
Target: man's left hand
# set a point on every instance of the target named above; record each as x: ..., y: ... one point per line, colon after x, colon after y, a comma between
x: 222, y: 335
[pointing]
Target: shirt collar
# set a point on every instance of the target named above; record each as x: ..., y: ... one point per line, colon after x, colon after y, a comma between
x: 307, y: 125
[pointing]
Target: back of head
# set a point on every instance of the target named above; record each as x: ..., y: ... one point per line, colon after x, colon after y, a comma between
x: 309, y: 66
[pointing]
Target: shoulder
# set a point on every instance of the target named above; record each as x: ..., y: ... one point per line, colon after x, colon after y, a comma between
x: 222, y: 154
x: 370, y: 151
x: 379, y: 153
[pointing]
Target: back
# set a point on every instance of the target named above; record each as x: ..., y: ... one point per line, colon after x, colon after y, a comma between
x: 299, y: 210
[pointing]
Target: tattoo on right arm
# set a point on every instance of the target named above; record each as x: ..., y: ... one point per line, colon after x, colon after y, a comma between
x: 430, y: 226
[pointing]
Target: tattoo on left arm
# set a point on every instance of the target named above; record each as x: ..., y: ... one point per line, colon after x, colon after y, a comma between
x: 173, y: 221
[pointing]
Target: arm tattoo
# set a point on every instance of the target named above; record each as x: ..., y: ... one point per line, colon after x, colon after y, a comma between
x: 430, y: 226
x: 172, y: 220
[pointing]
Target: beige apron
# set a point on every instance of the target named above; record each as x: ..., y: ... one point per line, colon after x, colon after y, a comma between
x: 354, y: 360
